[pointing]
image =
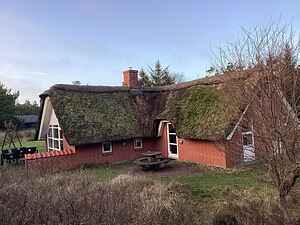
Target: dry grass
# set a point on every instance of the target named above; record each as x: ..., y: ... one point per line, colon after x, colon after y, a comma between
x: 80, y: 197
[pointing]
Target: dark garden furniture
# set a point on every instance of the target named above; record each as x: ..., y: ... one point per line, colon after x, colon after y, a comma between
x: 9, y: 151
x: 16, y: 154
x: 152, y: 160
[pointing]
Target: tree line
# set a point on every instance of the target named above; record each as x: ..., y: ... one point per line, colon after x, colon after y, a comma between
x: 10, y: 109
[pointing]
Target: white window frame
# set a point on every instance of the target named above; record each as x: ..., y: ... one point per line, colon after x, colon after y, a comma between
x: 170, y: 154
x: 249, y: 148
x: 110, y: 149
x: 252, y: 137
x: 53, y: 139
x: 135, y: 143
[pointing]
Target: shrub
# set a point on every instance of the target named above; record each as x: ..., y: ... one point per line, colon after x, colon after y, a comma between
x: 79, y: 198
x: 246, y: 208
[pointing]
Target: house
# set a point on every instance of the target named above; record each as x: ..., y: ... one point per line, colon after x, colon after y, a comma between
x: 201, y: 121
x: 28, y: 121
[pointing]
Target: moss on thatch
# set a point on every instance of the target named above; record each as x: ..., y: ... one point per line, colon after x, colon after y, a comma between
x: 200, y: 109
x: 199, y: 112
x: 91, y: 117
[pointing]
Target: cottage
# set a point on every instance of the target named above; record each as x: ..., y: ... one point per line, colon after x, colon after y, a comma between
x: 201, y: 121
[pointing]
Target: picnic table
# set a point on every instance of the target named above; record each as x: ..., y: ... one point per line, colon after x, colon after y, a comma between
x: 152, y: 160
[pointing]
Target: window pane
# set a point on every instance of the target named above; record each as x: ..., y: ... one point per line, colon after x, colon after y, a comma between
x: 173, y: 149
x: 60, y: 134
x: 55, y: 132
x: 247, y: 139
x: 172, y: 129
x: 50, y: 132
x: 56, y: 144
x: 107, y: 147
x: 172, y: 139
x: 50, y: 143
x: 138, y: 143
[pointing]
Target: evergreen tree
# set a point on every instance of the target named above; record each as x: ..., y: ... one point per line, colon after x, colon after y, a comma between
x: 27, y: 108
x: 7, y: 104
x: 157, y: 76
x: 144, y: 79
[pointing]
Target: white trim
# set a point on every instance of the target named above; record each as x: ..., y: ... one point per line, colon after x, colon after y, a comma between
x: 288, y: 106
x: 237, y: 124
x: 53, y: 139
x: 110, y: 147
x: 160, y: 127
x: 171, y: 155
x: 249, y: 148
x: 135, y: 143
x: 43, y: 117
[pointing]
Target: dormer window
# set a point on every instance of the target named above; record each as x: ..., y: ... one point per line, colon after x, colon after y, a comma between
x: 55, y: 138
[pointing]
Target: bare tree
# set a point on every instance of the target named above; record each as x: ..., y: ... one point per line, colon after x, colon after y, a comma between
x: 271, y: 55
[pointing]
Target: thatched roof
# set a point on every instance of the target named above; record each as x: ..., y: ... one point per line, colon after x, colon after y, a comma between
x: 200, y: 109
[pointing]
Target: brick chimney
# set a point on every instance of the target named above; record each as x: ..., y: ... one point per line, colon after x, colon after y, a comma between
x: 130, y: 78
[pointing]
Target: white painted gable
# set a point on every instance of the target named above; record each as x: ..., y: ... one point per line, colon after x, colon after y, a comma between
x: 48, y: 118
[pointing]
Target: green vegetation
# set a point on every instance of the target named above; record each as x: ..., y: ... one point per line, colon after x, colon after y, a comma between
x: 109, y: 116
x: 27, y: 108
x: 158, y: 76
x: 212, y: 184
x: 217, y: 184
x: 104, y: 173
x: 7, y: 104
x: 9, y: 109
x: 40, y: 145
x: 200, y: 112
x: 85, y: 196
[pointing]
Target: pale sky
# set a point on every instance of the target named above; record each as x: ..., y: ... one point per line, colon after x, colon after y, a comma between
x: 59, y: 41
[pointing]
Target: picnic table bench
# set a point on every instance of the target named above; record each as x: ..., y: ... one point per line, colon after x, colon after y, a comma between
x: 152, y: 160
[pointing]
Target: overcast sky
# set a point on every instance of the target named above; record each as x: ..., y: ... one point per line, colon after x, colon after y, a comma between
x: 93, y: 41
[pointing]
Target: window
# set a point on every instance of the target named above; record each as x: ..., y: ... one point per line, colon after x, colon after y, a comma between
x: 55, y: 138
x: 247, y: 138
x: 138, y: 143
x: 172, y: 141
x: 248, y: 146
x: 106, y: 147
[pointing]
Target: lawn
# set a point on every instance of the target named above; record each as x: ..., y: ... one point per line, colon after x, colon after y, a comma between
x: 40, y: 145
x: 217, y: 184
x: 206, y: 185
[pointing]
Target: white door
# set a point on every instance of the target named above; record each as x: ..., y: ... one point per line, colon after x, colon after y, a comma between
x: 172, y: 141
x: 248, y: 146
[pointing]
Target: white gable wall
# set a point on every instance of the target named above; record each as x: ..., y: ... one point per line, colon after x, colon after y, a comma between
x: 53, y: 118
x: 48, y: 118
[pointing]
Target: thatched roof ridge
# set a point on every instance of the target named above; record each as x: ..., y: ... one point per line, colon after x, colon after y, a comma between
x: 206, y: 81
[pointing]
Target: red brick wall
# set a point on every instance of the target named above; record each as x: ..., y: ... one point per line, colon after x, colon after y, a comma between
x: 124, y: 150
x: 92, y: 154
x: 204, y: 152
x: 208, y: 153
x: 234, y: 148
